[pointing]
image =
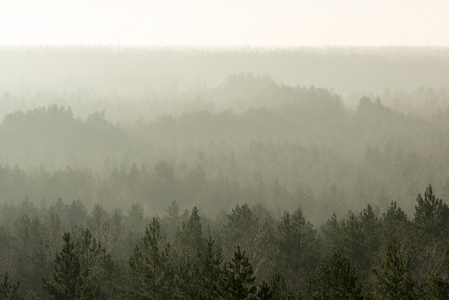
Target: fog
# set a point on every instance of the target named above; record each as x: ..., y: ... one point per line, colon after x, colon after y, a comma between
x: 296, y: 155
x: 308, y: 117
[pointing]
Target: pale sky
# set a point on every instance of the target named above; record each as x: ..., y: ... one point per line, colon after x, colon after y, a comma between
x: 229, y: 23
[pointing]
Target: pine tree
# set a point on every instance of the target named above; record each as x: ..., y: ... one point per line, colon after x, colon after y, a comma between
x: 8, y: 291
x: 69, y: 280
x: 336, y: 280
x: 238, y: 280
x: 393, y: 280
x: 187, y: 281
x: 190, y: 236
x: 151, y: 267
x: 94, y: 258
x: 264, y: 292
x: 295, y: 249
x: 431, y: 214
x: 280, y: 290
x: 438, y: 286
x: 210, y: 270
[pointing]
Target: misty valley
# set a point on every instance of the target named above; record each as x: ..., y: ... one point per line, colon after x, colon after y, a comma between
x: 311, y: 173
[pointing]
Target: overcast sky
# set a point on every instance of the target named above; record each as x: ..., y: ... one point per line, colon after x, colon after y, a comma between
x: 213, y: 23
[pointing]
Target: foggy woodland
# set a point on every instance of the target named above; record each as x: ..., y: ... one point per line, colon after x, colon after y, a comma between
x: 185, y: 173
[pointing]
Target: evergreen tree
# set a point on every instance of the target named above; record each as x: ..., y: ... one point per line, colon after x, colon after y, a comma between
x: 8, y: 291
x: 69, y: 280
x: 336, y: 280
x: 238, y: 280
x: 264, y: 292
x: 438, y: 286
x: 295, y: 250
x: 94, y: 258
x: 280, y: 290
x: 171, y: 219
x: 151, y: 267
x: 190, y: 236
x: 431, y: 214
x: 31, y: 251
x: 393, y: 280
x: 431, y: 224
x: 187, y: 281
x: 395, y: 222
x: 210, y: 270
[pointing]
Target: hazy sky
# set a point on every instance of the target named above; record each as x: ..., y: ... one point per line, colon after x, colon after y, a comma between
x: 272, y: 23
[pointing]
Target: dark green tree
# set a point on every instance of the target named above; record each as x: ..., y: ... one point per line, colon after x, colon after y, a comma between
x: 438, y: 286
x: 264, y: 292
x: 210, y: 270
x: 280, y: 290
x: 393, y: 280
x: 189, y: 237
x: 188, y: 283
x: 94, y: 258
x: 151, y: 267
x: 238, y: 280
x: 296, y: 252
x: 8, y: 291
x: 431, y: 214
x: 336, y: 279
x: 69, y: 279
x: 31, y: 252
x: 429, y: 236
x: 395, y: 222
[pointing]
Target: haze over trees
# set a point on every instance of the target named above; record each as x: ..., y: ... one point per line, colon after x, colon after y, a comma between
x: 207, y: 174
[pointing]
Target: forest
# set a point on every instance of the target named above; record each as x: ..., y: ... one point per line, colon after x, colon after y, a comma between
x: 64, y: 251
x: 191, y: 174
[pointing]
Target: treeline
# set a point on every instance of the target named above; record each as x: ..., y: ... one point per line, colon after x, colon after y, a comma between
x: 66, y: 252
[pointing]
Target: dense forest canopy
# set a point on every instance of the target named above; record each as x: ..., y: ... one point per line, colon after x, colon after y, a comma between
x: 300, y: 167
x: 278, y: 145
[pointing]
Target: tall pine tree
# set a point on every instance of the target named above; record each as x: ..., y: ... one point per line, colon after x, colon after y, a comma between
x: 69, y: 279
x: 393, y: 280
x: 151, y: 267
x: 336, y: 280
x: 238, y: 280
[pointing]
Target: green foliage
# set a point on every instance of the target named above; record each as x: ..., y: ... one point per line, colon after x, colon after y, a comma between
x: 135, y: 220
x: 172, y: 219
x: 210, y: 270
x: 30, y: 249
x: 336, y: 279
x: 238, y: 280
x: 395, y: 222
x: 188, y: 281
x: 393, y: 280
x: 69, y: 280
x: 296, y: 252
x: 438, y: 286
x: 8, y: 291
x: 431, y: 214
x: 356, y: 237
x: 94, y: 258
x: 151, y: 267
x: 189, y: 236
x: 280, y: 290
x: 99, y: 264
x: 264, y: 292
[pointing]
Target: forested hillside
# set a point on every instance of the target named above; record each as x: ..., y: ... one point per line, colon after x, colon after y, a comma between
x: 286, y: 146
x: 62, y: 250
x: 188, y: 174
